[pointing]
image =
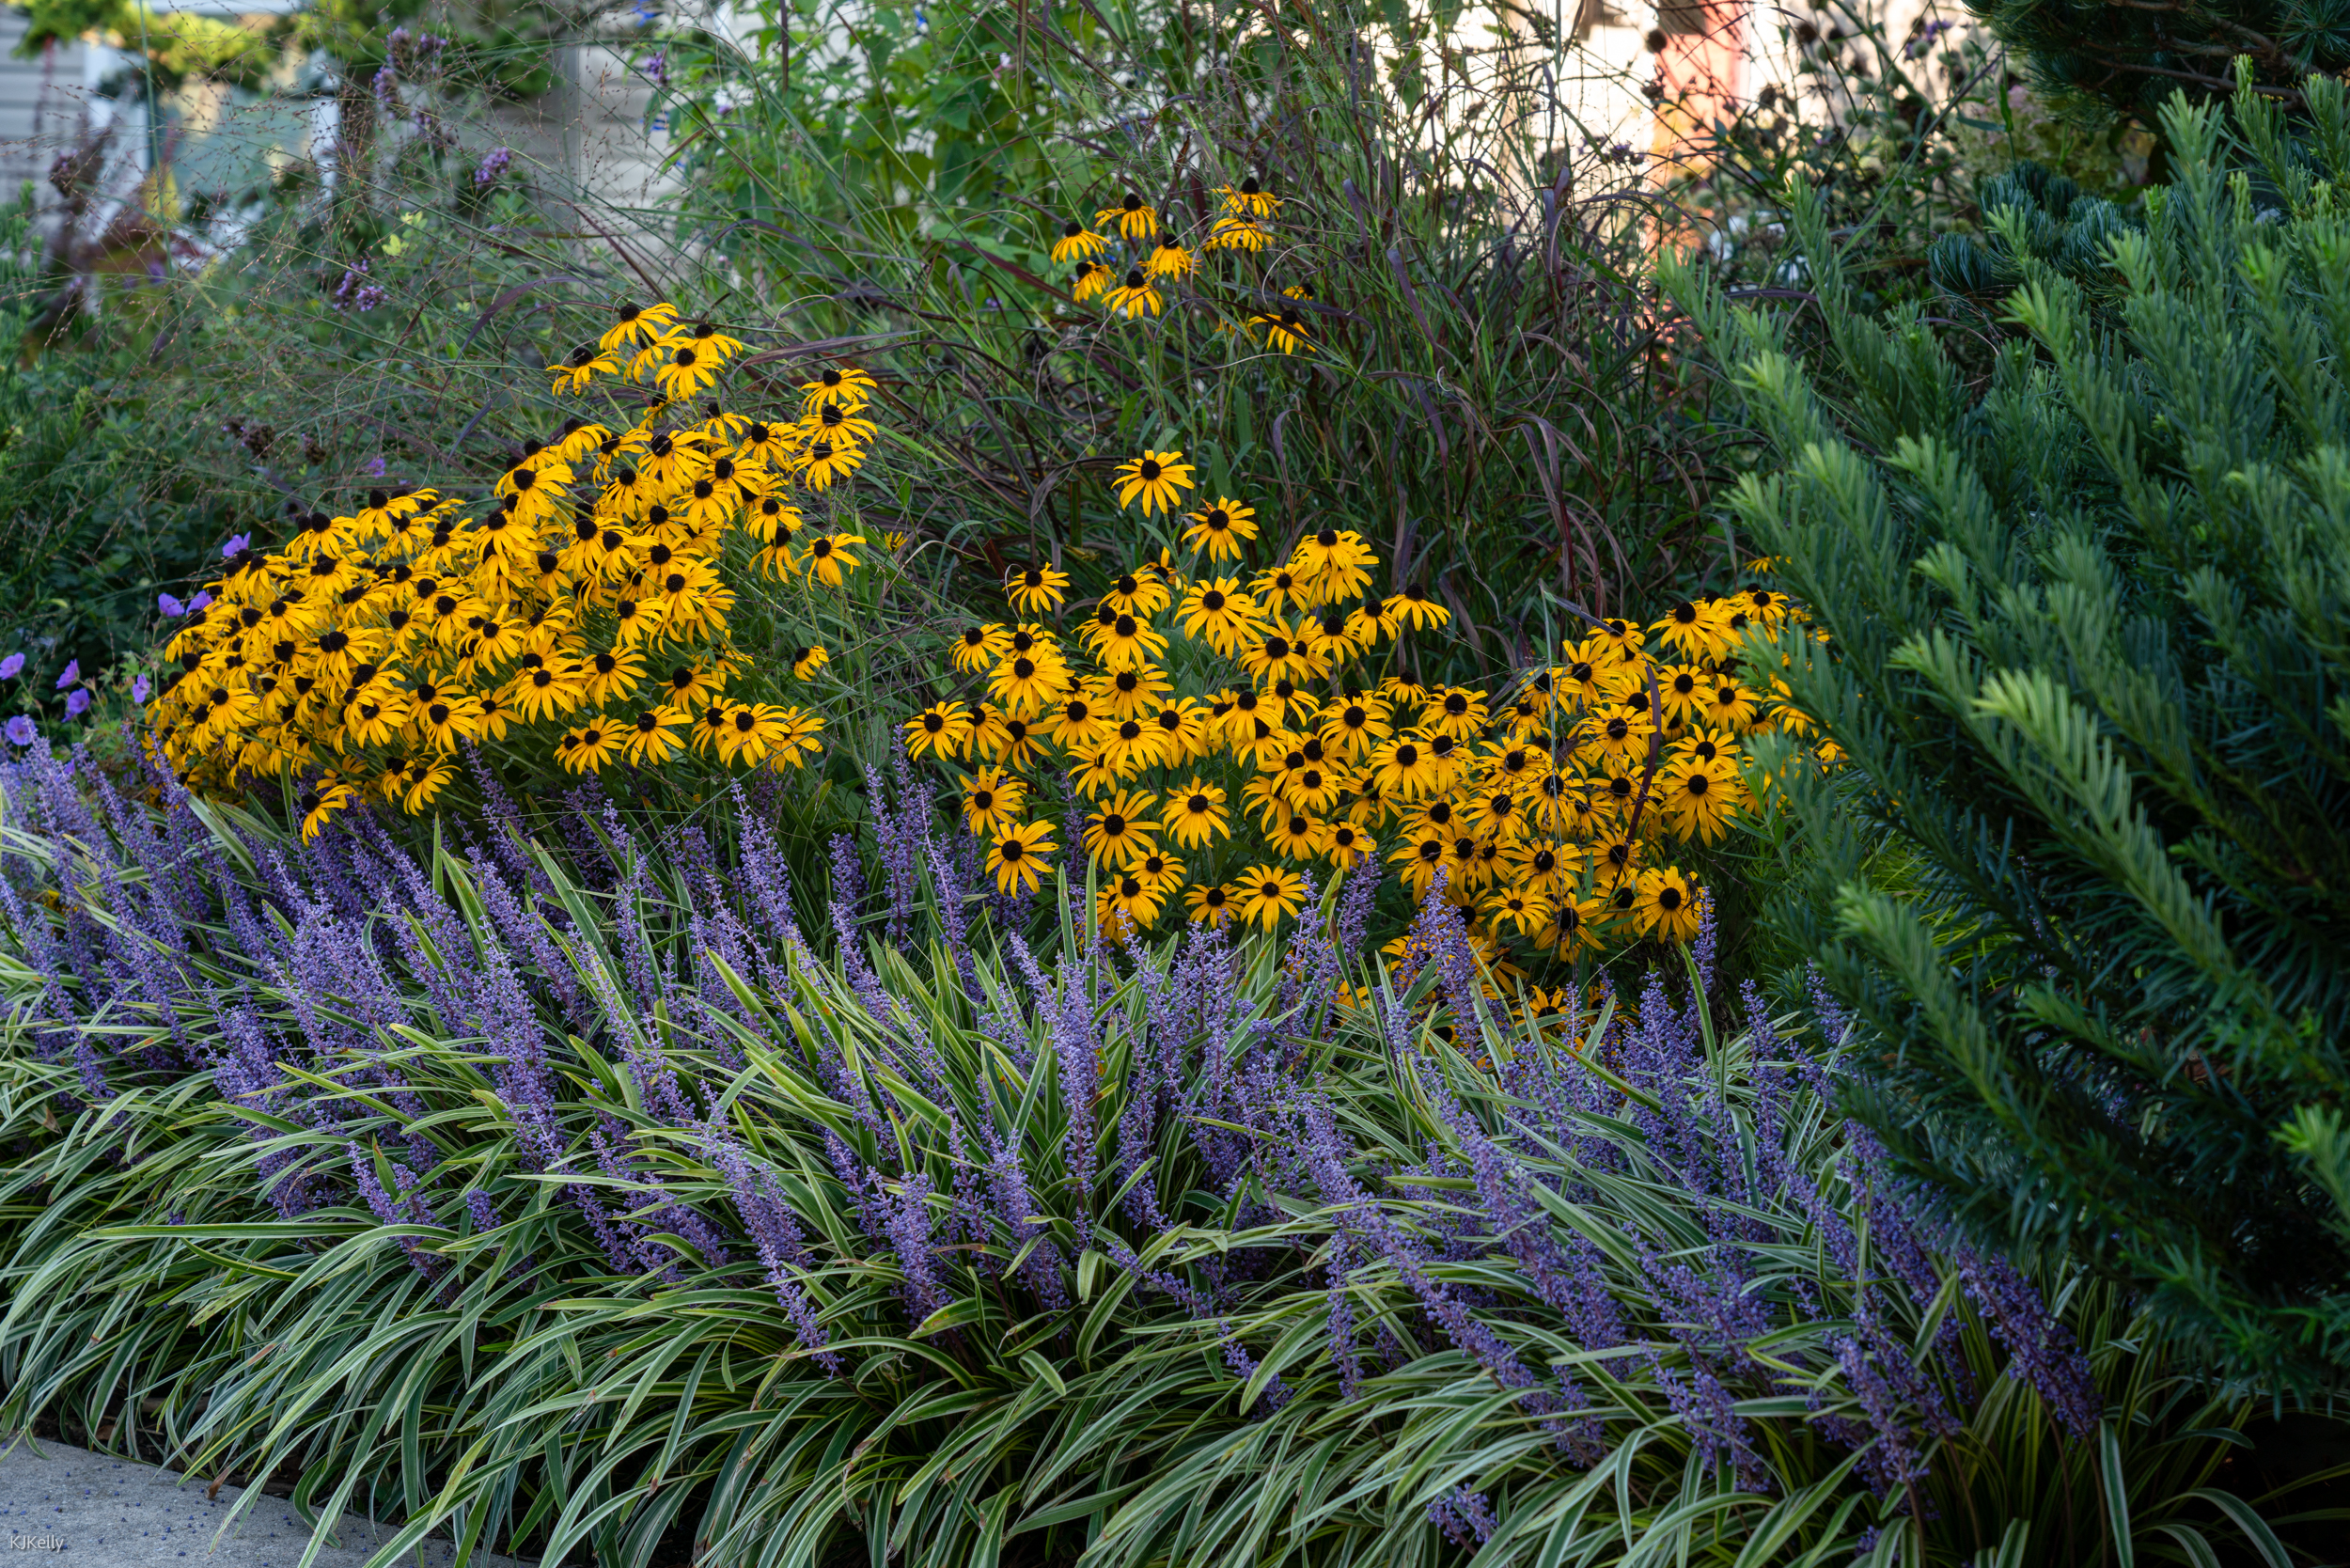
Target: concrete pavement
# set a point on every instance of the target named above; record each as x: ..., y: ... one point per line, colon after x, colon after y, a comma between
x: 95, y: 1511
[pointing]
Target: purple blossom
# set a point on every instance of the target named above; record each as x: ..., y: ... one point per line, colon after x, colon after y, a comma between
x: 203, y: 600
x: 72, y: 673
x: 357, y: 291
x: 2041, y: 1349
x: 22, y: 732
x: 169, y: 605
x: 492, y: 165
x: 11, y: 666
x: 77, y: 702
x: 235, y: 545
x: 140, y: 687
x: 1465, y: 1516
x: 778, y: 1237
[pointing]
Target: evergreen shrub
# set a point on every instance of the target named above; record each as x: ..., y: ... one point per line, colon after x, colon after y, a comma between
x: 2080, y: 611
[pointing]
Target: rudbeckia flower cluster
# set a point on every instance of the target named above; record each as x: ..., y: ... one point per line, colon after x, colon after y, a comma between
x: 577, y: 612
x: 1229, y: 731
x: 1132, y: 259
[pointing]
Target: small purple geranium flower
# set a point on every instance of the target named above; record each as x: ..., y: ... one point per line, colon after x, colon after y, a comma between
x: 169, y: 605
x: 10, y: 666
x: 72, y: 673
x: 77, y: 704
x: 21, y: 730
x: 139, y: 688
x: 201, y: 601
x: 236, y: 543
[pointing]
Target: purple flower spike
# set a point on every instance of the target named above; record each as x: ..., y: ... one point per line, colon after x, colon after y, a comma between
x: 72, y: 673
x: 169, y: 605
x: 21, y: 730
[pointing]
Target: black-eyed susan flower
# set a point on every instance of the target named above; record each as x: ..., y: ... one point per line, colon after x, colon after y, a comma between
x: 613, y: 673
x: 1091, y: 279
x: 1075, y: 724
x: 1160, y: 873
x: 1020, y: 857
x: 585, y: 364
x: 1353, y: 726
x: 1295, y: 836
x: 651, y: 737
x: 795, y: 738
x: 1334, y: 564
x: 826, y: 460
x: 1345, y: 844
x: 829, y: 559
x: 1210, y: 904
x: 1170, y: 259
x: 496, y: 715
x: 1275, y: 654
x: 1267, y: 893
x: 1574, y: 927
x: 941, y: 727
x: 1132, y: 216
x: 1273, y: 587
x: 1034, y: 589
x: 979, y: 647
x: 1665, y: 904
x: 1416, y: 607
x: 1100, y: 769
x: 808, y: 659
x: 1078, y: 243
x: 1028, y: 682
x: 638, y: 324
x: 835, y: 422
x: 1132, y: 692
x: 690, y: 683
x: 992, y: 801
x: 1144, y: 593
x: 750, y: 730
x: 1125, y: 642
x: 709, y: 727
x: 1156, y: 480
x: 843, y: 383
x: 1122, y: 828
x: 1220, y: 529
x: 447, y: 719
x: 1729, y: 705
x: 591, y: 745
x: 1515, y: 911
x: 1135, y: 295
x: 1284, y: 328
x: 1220, y: 611
x: 1126, y: 901
x: 1230, y: 233
x: 1700, y: 798
x: 319, y: 801
x: 426, y: 780
x: 1417, y: 860
x: 1248, y: 200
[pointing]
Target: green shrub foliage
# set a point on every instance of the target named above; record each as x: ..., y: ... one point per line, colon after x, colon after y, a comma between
x: 2084, y: 607
x: 2132, y: 58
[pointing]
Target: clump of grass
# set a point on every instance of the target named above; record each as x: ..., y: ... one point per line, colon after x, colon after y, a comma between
x: 562, y: 1196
